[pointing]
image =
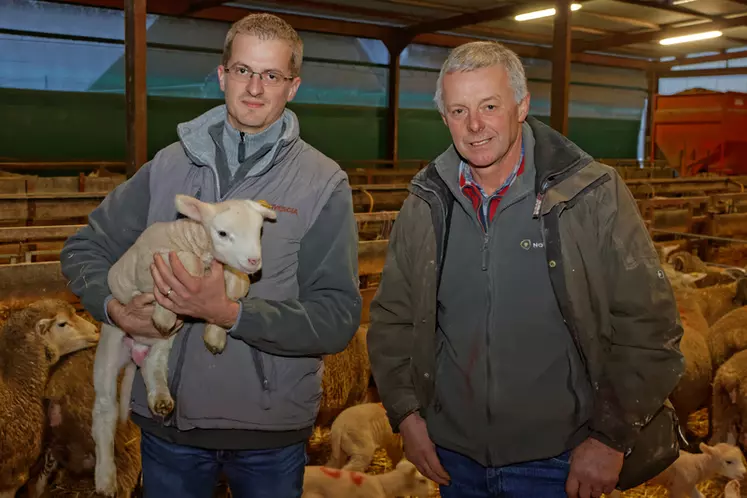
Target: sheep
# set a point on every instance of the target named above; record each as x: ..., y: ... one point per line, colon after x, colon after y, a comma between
x: 717, y: 300
x: 728, y: 336
x: 228, y: 232
x: 357, y: 433
x: 70, y: 396
x: 345, y: 378
x: 680, y: 478
x: 404, y: 480
x: 31, y: 341
x: 686, y: 262
x: 729, y: 402
x: 693, y: 389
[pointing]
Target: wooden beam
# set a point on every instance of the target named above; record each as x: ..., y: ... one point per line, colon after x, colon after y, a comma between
x: 358, y: 29
x: 136, y: 93
x: 198, y: 5
x: 622, y: 39
x: 469, y: 18
x: 393, y: 76
x: 561, y: 67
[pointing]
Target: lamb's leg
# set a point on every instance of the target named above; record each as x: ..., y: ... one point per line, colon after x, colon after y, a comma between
x: 40, y: 483
x: 155, y: 375
x: 361, y: 453
x: 695, y: 493
x: 237, y: 285
x: 111, y: 355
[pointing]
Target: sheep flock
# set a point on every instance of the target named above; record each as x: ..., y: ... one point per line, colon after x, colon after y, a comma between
x: 50, y: 434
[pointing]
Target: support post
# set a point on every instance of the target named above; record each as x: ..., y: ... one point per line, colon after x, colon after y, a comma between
x: 561, y: 67
x: 135, y: 87
x: 653, y: 88
x: 392, y: 129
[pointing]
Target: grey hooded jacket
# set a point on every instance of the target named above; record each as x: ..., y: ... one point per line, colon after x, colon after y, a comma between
x: 264, y: 389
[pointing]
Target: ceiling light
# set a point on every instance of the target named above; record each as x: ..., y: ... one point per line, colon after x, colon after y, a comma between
x: 543, y: 13
x: 689, y: 38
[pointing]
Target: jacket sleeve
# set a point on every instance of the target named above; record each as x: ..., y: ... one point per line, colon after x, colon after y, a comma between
x: 391, y: 328
x: 327, y: 313
x: 112, y: 228
x: 644, y: 362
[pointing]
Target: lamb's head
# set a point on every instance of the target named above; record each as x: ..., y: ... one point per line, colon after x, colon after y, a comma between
x: 416, y: 484
x: 62, y: 330
x: 729, y: 460
x: 234, y: 227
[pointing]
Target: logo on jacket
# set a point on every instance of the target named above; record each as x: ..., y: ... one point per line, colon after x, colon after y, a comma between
x: 527, y: 244
x: 284, y: 209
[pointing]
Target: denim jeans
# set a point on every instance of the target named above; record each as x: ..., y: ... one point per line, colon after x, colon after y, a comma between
x: 469, y: 479
x: 174, y: 470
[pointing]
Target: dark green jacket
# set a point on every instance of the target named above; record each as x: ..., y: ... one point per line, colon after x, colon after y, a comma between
x: 605, y: 274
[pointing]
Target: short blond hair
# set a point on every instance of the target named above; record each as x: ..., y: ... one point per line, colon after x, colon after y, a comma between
x: 480, y: 54
x: 266, y: 27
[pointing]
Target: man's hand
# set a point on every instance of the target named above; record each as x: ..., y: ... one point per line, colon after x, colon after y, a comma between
x: 595, y: 469
x: 135, y: 318
x: 202, y: 297
x: 420, y: 450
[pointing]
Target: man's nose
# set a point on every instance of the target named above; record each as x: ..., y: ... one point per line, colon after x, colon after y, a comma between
x: 475, y: 123
x: 254, y: 86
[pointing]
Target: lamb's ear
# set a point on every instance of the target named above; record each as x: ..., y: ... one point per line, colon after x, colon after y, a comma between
x: 730, y: 437
x: 194, y: 209
x: 705, y: 448
x: 264, y: 208
x: 43, y: 325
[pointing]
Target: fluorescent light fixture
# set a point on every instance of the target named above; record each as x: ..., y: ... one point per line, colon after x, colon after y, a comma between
x: 690, y: 38
x: 543, y: 13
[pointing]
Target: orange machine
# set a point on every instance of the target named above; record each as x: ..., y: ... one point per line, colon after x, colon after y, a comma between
x: 701, y: 131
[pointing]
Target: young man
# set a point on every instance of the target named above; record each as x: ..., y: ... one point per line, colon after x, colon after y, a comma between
x: 249, y: 411
x: 523, y: 331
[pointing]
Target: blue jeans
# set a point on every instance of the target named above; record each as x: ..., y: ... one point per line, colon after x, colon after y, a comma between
x: 174, y: 470
x: 469, y: 479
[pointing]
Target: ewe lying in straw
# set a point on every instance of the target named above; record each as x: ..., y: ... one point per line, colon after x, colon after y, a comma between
x: 404, y: 480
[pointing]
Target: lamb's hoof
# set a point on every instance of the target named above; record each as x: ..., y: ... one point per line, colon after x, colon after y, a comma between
x: 164, y: 330
x: 106, y: 482
x: 162, y: 406
x: 215, y: 348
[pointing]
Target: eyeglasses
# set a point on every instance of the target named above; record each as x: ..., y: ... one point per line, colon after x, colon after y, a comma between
x: 241, y: 73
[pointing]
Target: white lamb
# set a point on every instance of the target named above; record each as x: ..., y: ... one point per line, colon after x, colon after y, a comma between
x: 357, y: 433
x: 680, y: 478
x: 229, y: 232
x: 404, y: 480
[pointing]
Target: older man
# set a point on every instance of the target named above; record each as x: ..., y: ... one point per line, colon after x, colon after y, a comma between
x: 249, y: 411
x: 523, y: 332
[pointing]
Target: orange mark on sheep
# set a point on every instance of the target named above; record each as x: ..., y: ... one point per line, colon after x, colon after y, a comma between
x: 357, y: 478
x: 331, y: 472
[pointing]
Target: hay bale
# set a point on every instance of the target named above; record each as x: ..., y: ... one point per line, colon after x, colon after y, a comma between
x: 346, y: 378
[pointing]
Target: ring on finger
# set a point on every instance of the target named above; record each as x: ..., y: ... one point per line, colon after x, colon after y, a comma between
x: 168, y: 293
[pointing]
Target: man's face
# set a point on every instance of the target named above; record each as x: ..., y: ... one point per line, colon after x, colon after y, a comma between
x: 482, y: 114
x: 251, y: 105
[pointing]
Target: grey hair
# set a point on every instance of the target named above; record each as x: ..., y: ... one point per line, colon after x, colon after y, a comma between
x: 480, y: 54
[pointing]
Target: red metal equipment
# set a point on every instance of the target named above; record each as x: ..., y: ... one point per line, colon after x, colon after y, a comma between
x: 701, y: 131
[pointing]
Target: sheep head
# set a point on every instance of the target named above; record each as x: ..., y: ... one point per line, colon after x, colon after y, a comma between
x: 234, y: 228
x: 416, y: 483
x: 728, y: 458
x: 62, y: 330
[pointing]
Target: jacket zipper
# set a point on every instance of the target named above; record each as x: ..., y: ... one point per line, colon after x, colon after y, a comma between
x: 489, y: 415
x: 242, y: 148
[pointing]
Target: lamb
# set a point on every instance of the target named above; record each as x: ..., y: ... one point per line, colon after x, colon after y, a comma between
x: 728, y: 336
x: 680, y: 478
x: 345, y: 378
x: 404, y: 480
x: 357, y: 433
x: 31, y: 341
x: 71, y: 448
x: 729, y: 404
x: 228, y: 232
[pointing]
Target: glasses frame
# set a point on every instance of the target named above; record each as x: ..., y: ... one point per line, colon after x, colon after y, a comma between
x: 264, y: 76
